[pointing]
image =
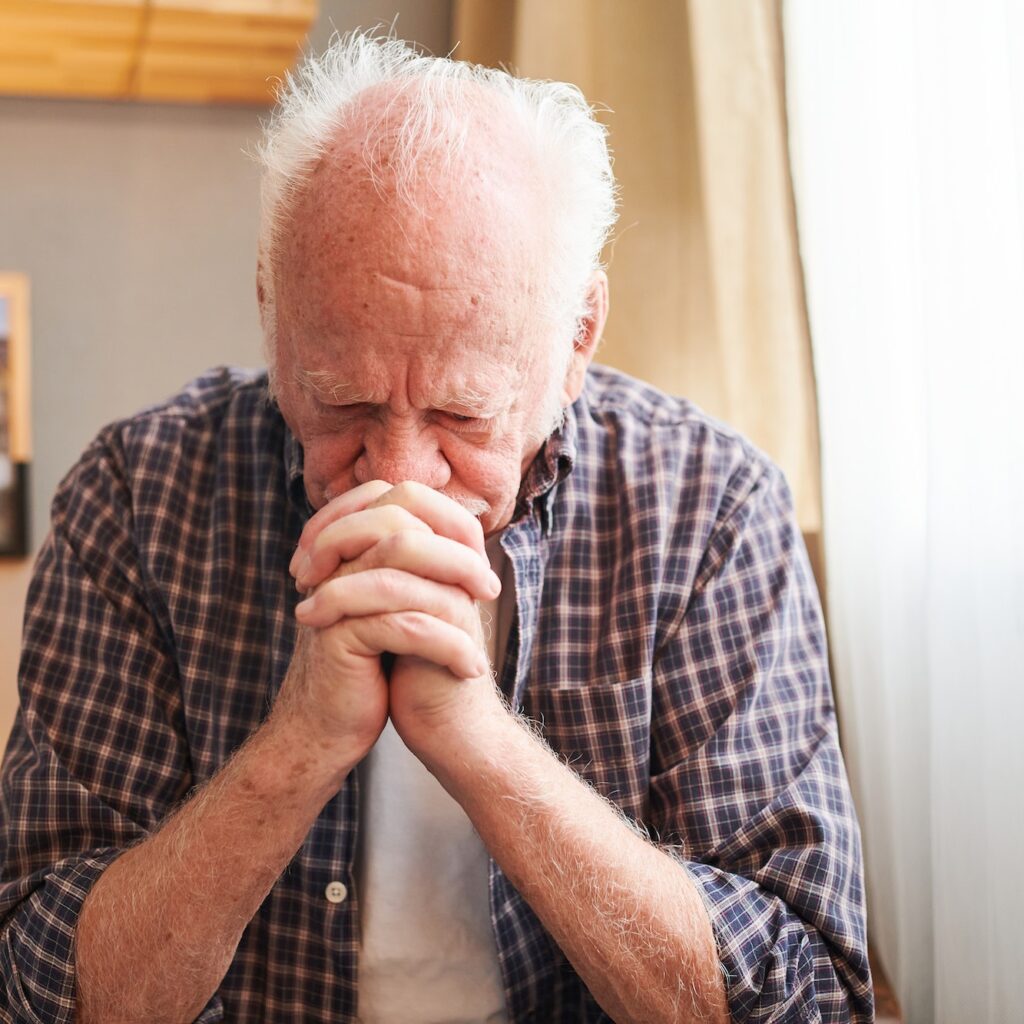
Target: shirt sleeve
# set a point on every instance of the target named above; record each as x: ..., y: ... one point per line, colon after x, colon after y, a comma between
x: 748, y: 784
x: 97, y: 756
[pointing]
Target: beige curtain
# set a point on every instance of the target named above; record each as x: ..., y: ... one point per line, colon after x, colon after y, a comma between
x: 707, y: 297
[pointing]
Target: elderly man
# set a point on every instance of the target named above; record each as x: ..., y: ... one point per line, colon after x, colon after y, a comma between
x: 262, y: 771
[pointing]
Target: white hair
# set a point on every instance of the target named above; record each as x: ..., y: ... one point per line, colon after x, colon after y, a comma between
x: 569, y: 146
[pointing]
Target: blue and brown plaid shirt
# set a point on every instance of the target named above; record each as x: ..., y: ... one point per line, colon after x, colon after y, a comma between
x: 667, y: 637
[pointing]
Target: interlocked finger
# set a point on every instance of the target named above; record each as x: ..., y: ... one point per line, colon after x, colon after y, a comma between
x: 445, y: 516
x: 349, y: 537
x: 383, y: 591
x: 434, y: 558
x: 337, y: 508
x: 423, y: 636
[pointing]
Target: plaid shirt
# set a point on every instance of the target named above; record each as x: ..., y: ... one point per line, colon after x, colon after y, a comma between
x: 667, y: 636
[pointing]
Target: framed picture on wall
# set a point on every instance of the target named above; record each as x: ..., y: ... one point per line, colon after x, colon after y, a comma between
x: 15, y: 448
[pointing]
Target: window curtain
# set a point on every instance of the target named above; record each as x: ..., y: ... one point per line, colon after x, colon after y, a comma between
x: 706, y: 290
x: 907, y: 145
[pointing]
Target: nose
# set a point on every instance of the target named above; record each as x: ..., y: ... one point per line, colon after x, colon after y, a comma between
x: 395, y: 454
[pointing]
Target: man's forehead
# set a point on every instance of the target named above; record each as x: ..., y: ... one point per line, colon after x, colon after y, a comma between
x: 441, y: 236
x: 446, y: 286
x: 373, y: 266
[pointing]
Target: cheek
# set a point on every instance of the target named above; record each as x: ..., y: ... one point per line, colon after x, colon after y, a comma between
x: 328, y: 450
x: 329, y: 461
x: 488, y: 471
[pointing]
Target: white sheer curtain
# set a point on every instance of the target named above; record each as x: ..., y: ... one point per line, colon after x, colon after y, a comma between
x: 907, y: 145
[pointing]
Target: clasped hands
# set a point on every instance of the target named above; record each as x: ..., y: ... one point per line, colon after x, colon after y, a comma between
x: 390, y: 569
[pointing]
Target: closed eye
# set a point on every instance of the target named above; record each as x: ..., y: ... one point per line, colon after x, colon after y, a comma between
x: 329, y: 408
x: 462, y: 423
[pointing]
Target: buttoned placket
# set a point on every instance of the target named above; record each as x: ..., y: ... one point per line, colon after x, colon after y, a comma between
x: 329, y: 850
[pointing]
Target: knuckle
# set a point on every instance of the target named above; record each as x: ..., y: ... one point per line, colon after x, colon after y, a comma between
x: 330, y: 590
x: 458, y: 604
x: 377, y: 488
x: 369, y: 629
x: 406, y: 540
x: 388, y: 582
x: 410, y: 488
x: 403, y: 542
x: 327, y: 538
x: 396, y: 517
x: 413, y: 625
x: 330, y: 596
x: 392, y: 546
x: 396, y: 497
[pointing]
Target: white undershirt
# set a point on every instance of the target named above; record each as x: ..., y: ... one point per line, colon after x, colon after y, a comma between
x: 428, y: 954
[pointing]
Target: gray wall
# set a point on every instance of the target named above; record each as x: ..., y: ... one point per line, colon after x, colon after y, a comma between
x: 136, y: 225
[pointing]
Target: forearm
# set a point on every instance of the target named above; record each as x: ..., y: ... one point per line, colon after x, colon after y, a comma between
x: 159, y: 929
x: 625, y: 914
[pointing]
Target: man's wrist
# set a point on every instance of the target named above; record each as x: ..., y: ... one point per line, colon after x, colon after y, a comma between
x: 296, y: 748
x: 468, y: 750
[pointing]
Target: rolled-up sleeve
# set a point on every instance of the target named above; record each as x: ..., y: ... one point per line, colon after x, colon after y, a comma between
x: 748, y: 784
x: 97, y: 756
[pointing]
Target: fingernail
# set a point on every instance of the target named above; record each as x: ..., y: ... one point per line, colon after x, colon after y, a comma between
x: 483, y: 667
x: 495, y: 584
x: 303, y: 567
x: 304, y: 608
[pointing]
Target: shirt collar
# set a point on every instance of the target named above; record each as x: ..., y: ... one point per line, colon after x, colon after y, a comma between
x: 552, y: 464
x: 293, y: 463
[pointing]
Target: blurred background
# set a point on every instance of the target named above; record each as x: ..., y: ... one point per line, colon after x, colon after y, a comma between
x: 821, y: 242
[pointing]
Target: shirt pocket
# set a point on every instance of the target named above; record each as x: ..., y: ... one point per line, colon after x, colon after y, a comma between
x: 603, y: 732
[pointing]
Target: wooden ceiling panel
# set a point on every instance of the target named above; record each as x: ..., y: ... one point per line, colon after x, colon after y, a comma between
x: 190, y: 51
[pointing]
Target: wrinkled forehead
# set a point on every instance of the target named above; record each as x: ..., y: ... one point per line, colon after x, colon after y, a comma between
x: 458, y: 248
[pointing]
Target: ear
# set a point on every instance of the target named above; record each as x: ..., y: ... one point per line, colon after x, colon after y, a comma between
x: 588, y: 337
x: 261, y: 290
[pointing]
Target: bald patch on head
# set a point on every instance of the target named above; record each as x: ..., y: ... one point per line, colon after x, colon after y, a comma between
x: 405, y: 136
x: 475, y: 151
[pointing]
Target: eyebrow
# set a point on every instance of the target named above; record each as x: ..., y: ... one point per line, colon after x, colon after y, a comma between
x: 472, y: 401
x: 325, y: 384
x: 476, y: 400
x: 471, y: 406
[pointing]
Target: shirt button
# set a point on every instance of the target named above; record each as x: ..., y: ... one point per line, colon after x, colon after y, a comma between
x: 336, y: 892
